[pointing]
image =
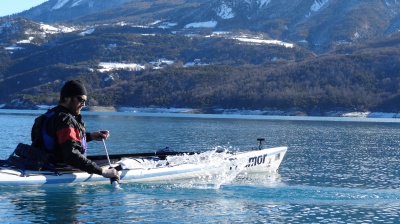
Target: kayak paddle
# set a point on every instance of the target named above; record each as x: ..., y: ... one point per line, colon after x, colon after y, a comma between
x: 114, y: 181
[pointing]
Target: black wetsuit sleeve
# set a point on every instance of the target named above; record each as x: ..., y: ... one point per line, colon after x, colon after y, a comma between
x: 88, y: 137
x: 73, y: 157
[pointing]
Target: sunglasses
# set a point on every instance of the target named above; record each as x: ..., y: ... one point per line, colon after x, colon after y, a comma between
x: 80, y: 99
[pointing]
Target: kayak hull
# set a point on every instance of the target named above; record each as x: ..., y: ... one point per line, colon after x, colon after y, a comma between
x: 254, y: 161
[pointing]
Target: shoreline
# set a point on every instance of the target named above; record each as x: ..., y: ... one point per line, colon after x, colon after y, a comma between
x: 355, y: 114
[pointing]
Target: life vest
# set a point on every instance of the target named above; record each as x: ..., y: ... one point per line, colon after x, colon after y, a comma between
x: 48, y: 141
x: 40, y: 137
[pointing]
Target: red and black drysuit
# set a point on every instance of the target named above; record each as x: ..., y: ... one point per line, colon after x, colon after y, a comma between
x: 70, y: 139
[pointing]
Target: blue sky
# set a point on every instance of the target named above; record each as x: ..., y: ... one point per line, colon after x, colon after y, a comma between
x: 8, y: 7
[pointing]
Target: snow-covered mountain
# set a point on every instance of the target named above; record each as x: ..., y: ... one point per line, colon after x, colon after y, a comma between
x: 64, y: 10
x: 319, y: 25
x: 241, y: 53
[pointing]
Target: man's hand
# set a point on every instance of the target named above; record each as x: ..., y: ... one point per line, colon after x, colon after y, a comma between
x: 100, y: 135
x: 110, y: 173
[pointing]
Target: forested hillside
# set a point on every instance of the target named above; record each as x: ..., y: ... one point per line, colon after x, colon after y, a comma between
x: 204, y: 72
x: 358, y: 81
x: 350, y: 82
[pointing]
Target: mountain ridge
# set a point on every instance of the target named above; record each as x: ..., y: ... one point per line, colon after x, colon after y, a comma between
x: 318, y: 25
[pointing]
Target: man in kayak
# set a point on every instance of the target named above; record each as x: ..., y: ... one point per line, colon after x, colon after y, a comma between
x: 62, y: 132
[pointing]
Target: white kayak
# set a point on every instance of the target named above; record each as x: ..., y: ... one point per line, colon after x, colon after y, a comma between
x: 194, y: 167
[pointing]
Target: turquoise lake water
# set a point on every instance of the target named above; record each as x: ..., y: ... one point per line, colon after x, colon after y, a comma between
x: 336, y: 170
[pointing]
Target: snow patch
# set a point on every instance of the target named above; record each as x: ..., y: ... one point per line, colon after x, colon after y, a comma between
x: 371, y: 115
x: 225, y: 12
x: 44, y: 107
x: 162, y: 61
x: 48, y: 29
x: 220, y: 33
x: 109, y: 66
x: 318, y: 4
x: 87, y: 32
x: 208, y: 24
x: 167, y: 25
x: 357, y: 35
x: 391, y: 7
x: 13, y: 48
x: 260, y: 41
x: 26, y: 41
x: 108, y: 78
x: 53, y: 30
x: 77, y: 3
x: 154, y: 23
x: 59, y: 4
x: 154, y: 110
x: 264, y: 3
x: 196, y: 62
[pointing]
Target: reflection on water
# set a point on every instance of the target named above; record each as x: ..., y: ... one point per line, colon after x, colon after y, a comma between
x: 242, y: 201
x: 41, y: 205
x: 270, y: 179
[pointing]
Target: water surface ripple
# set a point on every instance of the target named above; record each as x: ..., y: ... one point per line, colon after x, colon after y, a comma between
x: 337, y: 170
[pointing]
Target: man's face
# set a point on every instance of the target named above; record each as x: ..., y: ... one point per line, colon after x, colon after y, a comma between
x: 76, y: 103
